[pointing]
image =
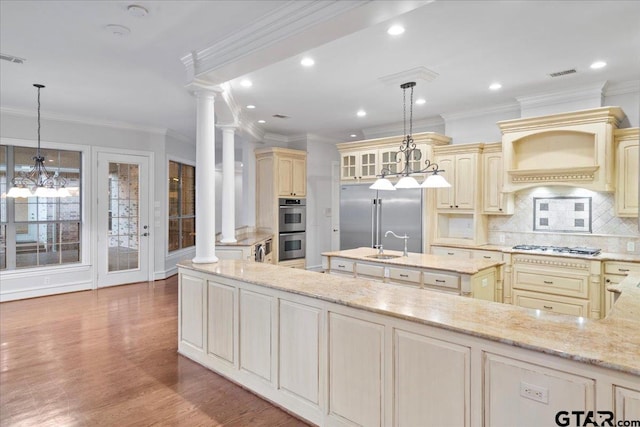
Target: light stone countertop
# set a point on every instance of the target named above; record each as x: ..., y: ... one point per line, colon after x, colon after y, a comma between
x: 247, y: 239
x: 437, y: 262
x: 613, y: 342
x: 602, y: 256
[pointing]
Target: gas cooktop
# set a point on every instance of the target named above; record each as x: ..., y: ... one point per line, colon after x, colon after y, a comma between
x: 559, y: 249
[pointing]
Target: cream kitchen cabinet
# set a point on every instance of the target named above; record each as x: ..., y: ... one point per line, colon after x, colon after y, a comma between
x: 627, y: 159
x: 461, y: 165
x: 556, y: 284
x: 614, y: 273
x: 359, y: 165
x: 494, y: 200
x: 292, y: 176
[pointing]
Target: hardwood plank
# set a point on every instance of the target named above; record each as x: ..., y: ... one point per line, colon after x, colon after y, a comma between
x: 109, y: 357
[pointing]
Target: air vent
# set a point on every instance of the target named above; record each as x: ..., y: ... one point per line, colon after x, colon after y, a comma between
x: 563, y: 73
x: 11, y: 58
x: 280, y: 116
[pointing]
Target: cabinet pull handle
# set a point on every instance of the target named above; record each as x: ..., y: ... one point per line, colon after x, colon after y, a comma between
x: 548, y: 282
x: 341, y: 266
x: 486, y: 256
x: 404, y: 275
x: 450, y: 253
x: 440, y: 281
x: 548, y: 307
x: 623, y: 270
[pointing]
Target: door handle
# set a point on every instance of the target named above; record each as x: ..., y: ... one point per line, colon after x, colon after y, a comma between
x: 145, y: 234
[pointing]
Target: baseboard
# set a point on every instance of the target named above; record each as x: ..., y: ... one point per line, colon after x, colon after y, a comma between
x: 317, y: 268
x: 45, y: 291
x: 161, y: 275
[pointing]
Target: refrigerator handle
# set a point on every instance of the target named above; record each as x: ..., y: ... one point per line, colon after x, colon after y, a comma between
x: 373, y: 222
x: 379, y: 222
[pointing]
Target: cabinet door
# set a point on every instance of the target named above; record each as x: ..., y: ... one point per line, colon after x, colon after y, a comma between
x: 445, y: 196
x: 368, y: 164
x: 432, y: 381
x: 256, y: 319
x: 526, y: 395
x: 348, y: 167
x: 492, y: 186
x: 193, y: 293
x: 627, y: 403
x: 389, y: 160
x: 299, y: 177
x: 465, y: 182
x: 627, y: 179
x: 285, y: 177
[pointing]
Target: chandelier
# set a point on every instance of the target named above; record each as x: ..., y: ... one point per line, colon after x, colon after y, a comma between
x: 409, y: 153
x: 38, y: 181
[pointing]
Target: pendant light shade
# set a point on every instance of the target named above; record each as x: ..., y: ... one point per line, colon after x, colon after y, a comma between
x: 435, y: 181
x: 407, y: 182
x: 382, y: 184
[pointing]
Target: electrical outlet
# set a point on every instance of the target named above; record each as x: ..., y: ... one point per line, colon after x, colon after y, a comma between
x: 501, y: 238
x: 533, y: 392
x: 631, y: 247
x: 47, y: 280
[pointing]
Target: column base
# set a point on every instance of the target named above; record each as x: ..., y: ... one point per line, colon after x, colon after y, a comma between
x: 205, y: 260
x: 228, y: 240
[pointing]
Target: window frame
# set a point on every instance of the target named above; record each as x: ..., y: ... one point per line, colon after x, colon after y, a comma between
x: 181, y: 162
x: 85, y: 209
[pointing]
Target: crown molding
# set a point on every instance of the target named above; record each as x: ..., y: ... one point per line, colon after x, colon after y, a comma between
x: 468, y: 114
x: 180, y: 137
x: 397, y: 128
x: 283, y: 22
x: 623, y: 88
x: 560, y: 97
x: 275, y: 138
x: 84, y: 120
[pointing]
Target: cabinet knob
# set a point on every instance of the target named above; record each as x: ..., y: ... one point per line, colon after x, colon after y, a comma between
x: 608, y: 280
x: 456, y: 206
x: 500, y: 209
x: 450, y: 206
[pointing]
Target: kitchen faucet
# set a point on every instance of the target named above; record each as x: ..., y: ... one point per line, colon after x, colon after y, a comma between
x: 405, y: 237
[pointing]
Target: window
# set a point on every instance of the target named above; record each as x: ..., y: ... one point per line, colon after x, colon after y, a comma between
x: 182, y: 206
x: 38, y: 231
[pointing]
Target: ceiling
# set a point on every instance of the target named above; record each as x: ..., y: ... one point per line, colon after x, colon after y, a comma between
x: 140, y: 79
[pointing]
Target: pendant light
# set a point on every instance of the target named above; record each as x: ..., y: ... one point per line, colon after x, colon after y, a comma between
x: 38, y: 181
x: 408, y: 151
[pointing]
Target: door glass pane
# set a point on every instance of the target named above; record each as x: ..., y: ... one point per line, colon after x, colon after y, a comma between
x: 188, y: 190
x: 123, y: 216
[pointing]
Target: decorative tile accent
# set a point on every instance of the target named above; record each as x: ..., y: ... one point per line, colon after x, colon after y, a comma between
x: 562, y: 213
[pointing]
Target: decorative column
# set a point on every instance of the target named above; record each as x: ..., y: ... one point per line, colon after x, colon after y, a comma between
x: 205, y: 177
x: 228, y: 184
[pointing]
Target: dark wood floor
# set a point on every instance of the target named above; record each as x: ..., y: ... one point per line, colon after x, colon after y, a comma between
x: 109, y: 358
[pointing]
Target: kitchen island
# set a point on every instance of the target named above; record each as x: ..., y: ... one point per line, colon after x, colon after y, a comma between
x: 342, y: 351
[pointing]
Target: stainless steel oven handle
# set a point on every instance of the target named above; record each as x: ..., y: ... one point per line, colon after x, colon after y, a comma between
x: 261, y: 253
x: 291, y: 233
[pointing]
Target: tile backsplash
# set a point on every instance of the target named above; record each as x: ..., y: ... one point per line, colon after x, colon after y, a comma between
x: 609, y: 232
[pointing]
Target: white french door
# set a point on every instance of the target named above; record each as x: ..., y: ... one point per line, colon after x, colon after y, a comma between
x: 123, y: 215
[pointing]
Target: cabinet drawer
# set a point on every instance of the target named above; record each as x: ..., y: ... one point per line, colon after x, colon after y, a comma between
x: 341, y: 266
x: 624, y: 268
x: 488, y: 255
x: 452, y: 252
x: 552, y: 282
x: 403, y: 275
x: 551, y: 303
x: 442, y: 280
x: 369, y: 270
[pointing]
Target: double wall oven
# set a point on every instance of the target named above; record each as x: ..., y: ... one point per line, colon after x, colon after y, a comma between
x: 292, y: 224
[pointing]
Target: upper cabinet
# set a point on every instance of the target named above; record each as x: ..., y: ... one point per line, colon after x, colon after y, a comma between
x: 362, y: 161
x: 627, y: 159
x: 494, y: 200
x: 461, y: 165
x: 292, y: 175
x: 573, y: 149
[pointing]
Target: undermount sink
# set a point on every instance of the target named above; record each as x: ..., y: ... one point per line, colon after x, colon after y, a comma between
x: 383, y: 256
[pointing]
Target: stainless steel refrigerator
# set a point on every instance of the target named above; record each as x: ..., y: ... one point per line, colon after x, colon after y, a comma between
x: 366, y: 215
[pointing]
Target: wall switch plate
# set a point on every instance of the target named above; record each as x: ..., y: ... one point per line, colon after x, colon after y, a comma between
x: 631, y: 247
x: 534, y: 392
x: 501, y: 238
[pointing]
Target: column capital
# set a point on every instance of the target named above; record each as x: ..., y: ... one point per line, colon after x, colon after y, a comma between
x: 202, y: 88
x: 228, y: 126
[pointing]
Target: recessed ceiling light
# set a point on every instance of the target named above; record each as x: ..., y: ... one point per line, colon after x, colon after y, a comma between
x: 307, y: 62
x: 117, y: 30
x: 137, y: 11
x: 353, y: 135
x: 395, y: 30
x: 262, y: 121
x: 361, y: 113
x: 495, y: 86
x: 421, y: 101
x: 598, y: 64
x: 251, y: 107
x: 246, y: 83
